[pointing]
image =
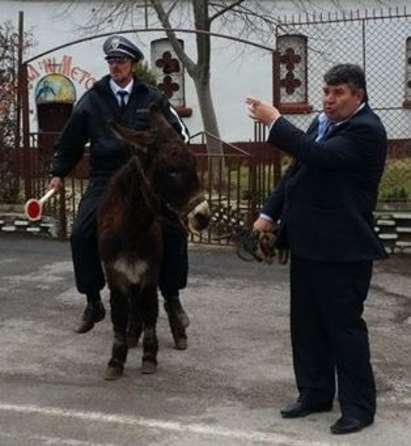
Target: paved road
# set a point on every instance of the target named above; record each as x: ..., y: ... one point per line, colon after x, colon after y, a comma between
x: 226, y: 389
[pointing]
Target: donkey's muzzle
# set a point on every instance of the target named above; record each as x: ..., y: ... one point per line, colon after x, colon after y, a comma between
x: 199, y: 217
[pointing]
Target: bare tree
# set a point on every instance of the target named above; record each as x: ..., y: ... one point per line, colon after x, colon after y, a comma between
x: 9, y: 41
x: 253, y: 20
x: 238, y: 17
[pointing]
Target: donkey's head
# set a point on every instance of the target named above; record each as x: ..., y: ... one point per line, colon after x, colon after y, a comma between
x: 169, y: 167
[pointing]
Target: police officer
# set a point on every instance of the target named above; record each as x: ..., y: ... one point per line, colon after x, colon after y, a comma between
x: 122, y: 97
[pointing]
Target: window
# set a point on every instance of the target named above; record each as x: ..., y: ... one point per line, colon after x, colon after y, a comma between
x: 407, y: 101
x: 290, y: 74
x: 170, y: 74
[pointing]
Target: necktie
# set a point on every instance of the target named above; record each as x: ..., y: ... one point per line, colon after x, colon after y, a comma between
x: 122, y: 94
x: 324, y: 129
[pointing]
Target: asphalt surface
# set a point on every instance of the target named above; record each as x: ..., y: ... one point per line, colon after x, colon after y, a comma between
x: 226, y: 389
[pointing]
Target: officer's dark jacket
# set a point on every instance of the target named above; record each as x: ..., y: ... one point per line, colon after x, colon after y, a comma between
x: 326, y: 198
x: 89, y: 123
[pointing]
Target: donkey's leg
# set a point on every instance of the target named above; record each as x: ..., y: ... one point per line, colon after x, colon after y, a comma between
x: 119, y: 318
x: 149, y: 312
x: 135, y: 322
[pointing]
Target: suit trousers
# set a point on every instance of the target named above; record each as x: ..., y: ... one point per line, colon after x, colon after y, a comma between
x: 330, y: 336
x: 88, y: 270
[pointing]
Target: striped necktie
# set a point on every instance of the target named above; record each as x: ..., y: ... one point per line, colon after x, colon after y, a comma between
x: 324, y: 128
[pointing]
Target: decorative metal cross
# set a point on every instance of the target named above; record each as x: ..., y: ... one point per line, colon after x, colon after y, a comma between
x: 168, y: 87
x: 290, y: 83
x: 168, y: 63
x: 290, y: 59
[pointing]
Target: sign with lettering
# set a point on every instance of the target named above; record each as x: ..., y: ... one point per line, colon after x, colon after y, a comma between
x: 66, y: 67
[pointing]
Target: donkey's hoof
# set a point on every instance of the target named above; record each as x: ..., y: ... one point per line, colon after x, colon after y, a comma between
x: 148, y: 367
x: 132, y: 341
x: 113, y: 373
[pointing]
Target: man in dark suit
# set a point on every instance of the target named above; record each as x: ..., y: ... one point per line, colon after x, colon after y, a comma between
x: 324, y: 204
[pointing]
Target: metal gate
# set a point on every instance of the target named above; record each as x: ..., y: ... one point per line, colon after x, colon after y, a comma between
x: 241, y: 172
x: 380, y: 41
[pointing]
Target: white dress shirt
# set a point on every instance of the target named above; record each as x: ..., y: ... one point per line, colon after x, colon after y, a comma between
x: 129, y: 88
x: 116, y: 88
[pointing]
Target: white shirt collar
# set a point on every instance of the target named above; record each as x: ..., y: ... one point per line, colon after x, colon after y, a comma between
x: 116, y: 88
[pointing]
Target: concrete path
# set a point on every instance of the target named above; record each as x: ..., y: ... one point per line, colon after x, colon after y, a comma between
x: 226, y: 389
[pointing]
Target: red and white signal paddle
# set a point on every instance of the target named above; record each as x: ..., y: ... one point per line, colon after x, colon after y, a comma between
x: 34, y: 208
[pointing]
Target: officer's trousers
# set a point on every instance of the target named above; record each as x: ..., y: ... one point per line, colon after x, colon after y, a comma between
x: 329, y: 335
x: 88, y: 270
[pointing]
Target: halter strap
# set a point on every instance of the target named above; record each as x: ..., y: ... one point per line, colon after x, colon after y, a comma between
x: 155, y: 202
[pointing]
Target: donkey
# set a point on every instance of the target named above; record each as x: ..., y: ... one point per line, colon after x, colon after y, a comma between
x: 160, y: 178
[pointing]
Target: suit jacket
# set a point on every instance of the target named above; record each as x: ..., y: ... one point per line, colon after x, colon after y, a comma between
x: 326, y: 199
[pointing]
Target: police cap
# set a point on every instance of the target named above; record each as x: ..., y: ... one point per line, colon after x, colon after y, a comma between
x: 118, y: 46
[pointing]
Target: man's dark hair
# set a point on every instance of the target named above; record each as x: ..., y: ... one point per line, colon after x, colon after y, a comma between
x: 350, y: 74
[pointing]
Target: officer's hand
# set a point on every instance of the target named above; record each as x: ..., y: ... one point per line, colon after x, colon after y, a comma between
x: 263, y: 225
x: 55, y: 183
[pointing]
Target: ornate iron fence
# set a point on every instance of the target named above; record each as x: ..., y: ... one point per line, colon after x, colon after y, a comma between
x: 236, y: 182
x: 379, y: 41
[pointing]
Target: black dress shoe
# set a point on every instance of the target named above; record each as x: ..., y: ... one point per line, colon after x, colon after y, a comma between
x: 349, y: 425
x: 298, y: 409
x: 93, y: 313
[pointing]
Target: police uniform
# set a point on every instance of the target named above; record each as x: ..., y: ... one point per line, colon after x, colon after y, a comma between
x: 89, y: 123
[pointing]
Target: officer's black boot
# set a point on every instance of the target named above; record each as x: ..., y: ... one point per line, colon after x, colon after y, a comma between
x: 176, y: 307
x: 93, y: 313
x: 178, y: 321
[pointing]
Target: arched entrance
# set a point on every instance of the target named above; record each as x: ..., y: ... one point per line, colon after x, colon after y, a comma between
x: 54, y: 97
x: 245, y: 159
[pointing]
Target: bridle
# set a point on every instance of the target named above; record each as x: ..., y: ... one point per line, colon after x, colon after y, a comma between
x: 254, y: 245
x: 156, y: 203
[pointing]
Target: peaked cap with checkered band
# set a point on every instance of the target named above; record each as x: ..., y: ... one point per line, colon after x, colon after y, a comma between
x: 119, y: 46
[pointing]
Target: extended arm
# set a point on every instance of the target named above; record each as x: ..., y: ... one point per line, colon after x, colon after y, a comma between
x: 343, y: 150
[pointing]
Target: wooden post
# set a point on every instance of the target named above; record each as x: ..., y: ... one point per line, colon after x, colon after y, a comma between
x: 19, y: 65
x: 26, y: 132
x: 276, y: 103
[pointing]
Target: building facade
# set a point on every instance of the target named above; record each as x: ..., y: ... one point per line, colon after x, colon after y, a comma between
x: 307, y: 46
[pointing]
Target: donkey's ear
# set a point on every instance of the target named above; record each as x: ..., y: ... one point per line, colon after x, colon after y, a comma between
x: 158, y: 122
x: 153, y: 108
x: 138, y: 138
x: 154, y: 114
